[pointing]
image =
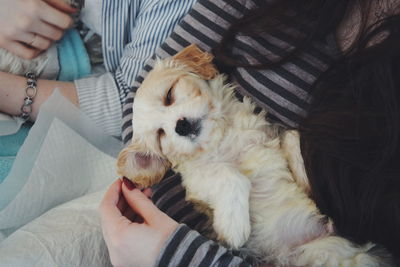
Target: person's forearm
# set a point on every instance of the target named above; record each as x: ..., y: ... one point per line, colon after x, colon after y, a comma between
x: 12, y: 93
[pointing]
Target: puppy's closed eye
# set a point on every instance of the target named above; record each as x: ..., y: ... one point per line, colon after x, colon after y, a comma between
x: 169, y: 98
x: 160, y: 134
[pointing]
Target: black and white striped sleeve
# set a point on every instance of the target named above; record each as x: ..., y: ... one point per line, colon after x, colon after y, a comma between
x: 186, y: 247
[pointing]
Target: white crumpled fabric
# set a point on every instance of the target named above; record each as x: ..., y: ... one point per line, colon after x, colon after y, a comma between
x: 65, y: 157
x: 68, y: 235
x: 67, y: 167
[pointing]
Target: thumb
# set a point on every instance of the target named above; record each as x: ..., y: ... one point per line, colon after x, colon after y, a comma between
x: 139, y: 202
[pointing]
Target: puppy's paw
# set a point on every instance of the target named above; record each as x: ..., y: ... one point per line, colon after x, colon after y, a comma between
x: 142, y: 168
x: 234, y: 231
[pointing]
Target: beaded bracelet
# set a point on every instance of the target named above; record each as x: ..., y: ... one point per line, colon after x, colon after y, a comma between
x: 78, y: 4
x: 30, y: 93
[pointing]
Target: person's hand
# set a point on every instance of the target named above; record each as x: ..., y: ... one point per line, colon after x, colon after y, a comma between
x: 27, y: 27
x: 134, y: 229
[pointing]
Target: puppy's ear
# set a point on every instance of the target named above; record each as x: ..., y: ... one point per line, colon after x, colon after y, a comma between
x: 140, y: 166
x: 198, y: 60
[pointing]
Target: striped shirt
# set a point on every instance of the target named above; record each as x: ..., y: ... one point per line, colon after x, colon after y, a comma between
x: 131, y: 32
x: 283, y: 91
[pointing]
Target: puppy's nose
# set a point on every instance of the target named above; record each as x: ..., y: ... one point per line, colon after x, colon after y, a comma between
x: 185, y: 127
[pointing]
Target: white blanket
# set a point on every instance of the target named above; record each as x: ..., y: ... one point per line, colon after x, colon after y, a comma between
x: 68, y: 235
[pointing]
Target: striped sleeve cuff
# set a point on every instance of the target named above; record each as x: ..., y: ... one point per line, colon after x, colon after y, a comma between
x: 99, y: 99
x: 186, y: 247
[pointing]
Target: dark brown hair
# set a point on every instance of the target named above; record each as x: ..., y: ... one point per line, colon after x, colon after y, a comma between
x: 350, y: 140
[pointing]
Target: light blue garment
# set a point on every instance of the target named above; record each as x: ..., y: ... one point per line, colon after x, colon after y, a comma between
x: 72, y: 56
x: 5, y: 166
x: 9, y: 147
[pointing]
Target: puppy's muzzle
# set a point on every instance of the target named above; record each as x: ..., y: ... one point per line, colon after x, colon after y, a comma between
x: 188, y: 127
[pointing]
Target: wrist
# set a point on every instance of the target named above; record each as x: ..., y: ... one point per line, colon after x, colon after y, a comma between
x: 169, y: 229
x: 12, y: 93
x: 168, y: 242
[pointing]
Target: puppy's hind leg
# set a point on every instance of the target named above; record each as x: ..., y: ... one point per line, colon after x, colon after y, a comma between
x: 335, y: 251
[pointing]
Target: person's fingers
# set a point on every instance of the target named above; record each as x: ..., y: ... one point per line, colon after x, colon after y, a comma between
x: 148, y: 192
x: 112, y: 220
x: 108, y: 207
x: 122, y: 205
x: 125, y: 209
x: 62, y: 6
x: 34, y: 41
x: 39, y: 42
x: 140, y: 204
x: 130, y: 214
x: 54, y: 17
x: 47, y: 31
x: 22, y: 50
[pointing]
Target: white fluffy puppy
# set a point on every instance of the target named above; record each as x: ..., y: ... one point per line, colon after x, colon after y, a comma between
x: 231, y: 161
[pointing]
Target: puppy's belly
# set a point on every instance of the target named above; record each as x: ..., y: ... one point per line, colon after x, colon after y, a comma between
x: 282, y: 218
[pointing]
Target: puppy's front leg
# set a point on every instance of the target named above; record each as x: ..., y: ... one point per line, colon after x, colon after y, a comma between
x: 231, y: 208
x: 227, y: 191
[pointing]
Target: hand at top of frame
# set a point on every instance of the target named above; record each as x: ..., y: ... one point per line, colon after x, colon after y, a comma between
x: 27, y: 27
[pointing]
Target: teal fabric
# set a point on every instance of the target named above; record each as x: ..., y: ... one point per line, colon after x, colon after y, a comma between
x: 72, y: 56
x: 5, y: 166
x: 9, y: 147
